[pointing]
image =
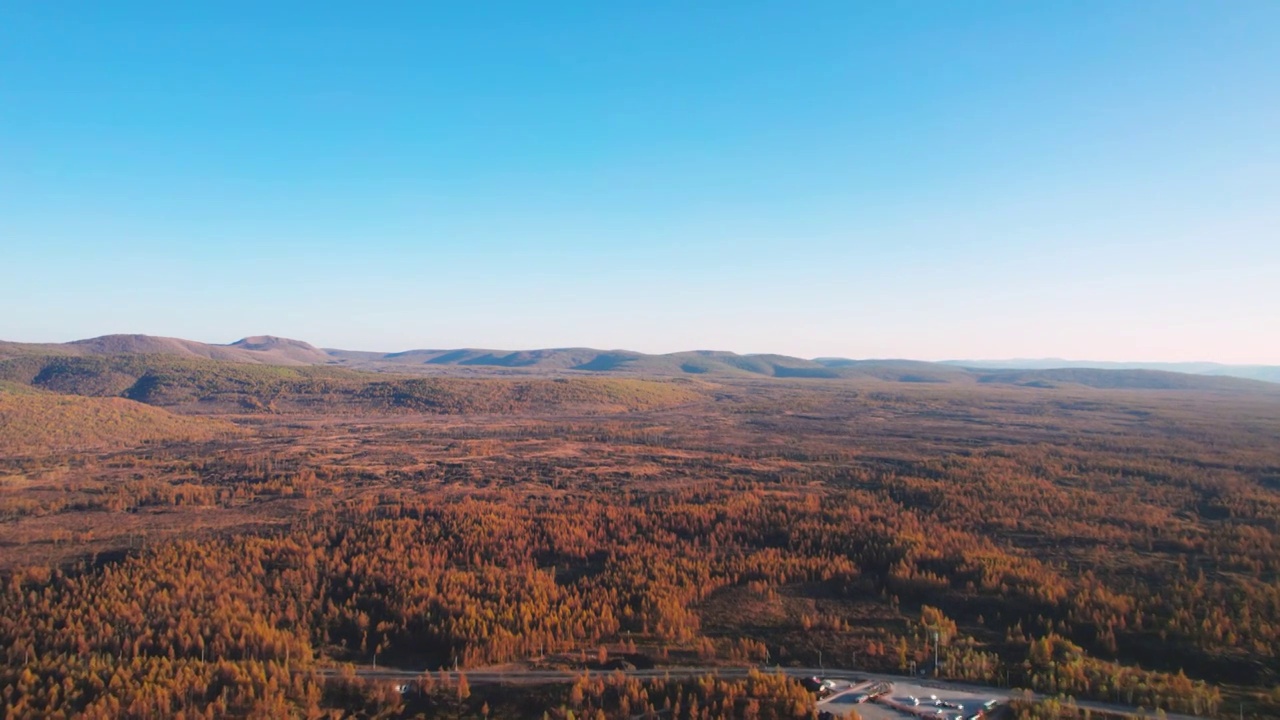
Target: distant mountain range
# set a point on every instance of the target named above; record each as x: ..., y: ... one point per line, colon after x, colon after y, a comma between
x: 271, y: 350
x: 1266, y: 373
x: 259, y: 349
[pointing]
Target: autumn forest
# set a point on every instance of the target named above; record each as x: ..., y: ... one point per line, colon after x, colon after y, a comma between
x: 232, y: 540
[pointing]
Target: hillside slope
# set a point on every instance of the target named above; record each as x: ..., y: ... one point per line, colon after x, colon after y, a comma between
x: 34, y: 423
x: 211, y: 385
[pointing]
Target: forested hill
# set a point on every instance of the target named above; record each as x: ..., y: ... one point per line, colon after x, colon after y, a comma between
x: 198, y: 384
x: 283, y: 352
x: 34, y: 422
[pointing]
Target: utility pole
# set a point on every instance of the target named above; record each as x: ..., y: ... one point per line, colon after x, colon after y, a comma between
x: 936, y: 673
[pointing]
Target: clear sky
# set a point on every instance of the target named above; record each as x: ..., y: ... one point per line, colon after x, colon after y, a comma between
x: 1086, y: 180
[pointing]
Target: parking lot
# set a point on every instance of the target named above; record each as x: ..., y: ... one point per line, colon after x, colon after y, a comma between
x: 897, y: 704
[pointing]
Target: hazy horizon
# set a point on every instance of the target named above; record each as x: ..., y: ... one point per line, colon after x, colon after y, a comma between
x: 429, y: 346
x: 930, y: 181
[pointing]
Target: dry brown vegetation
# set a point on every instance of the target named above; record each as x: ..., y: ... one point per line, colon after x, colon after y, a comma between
x: 39, y: 423
x: 1116, y: 545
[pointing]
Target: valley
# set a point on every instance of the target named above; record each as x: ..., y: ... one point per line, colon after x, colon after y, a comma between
x: 280, y: 527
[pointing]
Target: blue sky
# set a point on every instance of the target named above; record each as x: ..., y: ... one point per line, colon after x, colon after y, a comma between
x: 1087, y: 180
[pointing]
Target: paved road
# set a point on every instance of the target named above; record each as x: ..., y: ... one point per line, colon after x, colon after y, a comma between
x: 538, y: 677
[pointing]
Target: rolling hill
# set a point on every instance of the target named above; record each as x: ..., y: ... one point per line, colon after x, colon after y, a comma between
x: 117, y: 378
x: 1266, y: 373
x: 33, y: 422
x: 194, y: 383
x: 262, y: 349
x: 1122, y: 380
